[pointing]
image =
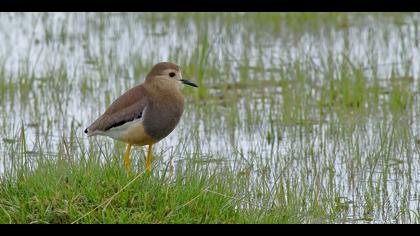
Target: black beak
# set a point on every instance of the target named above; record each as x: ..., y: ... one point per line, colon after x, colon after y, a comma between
x: 190, y: 83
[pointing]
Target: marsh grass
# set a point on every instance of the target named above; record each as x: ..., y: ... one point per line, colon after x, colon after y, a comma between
x: 89, y: 190
x: 299, y: 118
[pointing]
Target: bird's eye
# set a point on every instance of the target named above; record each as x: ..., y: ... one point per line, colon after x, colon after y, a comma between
x: 172, y: 74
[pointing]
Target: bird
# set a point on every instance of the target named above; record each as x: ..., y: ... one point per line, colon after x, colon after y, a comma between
x: 146, y: 113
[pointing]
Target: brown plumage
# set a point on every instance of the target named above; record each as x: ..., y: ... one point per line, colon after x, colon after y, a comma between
x: 126, y: 108
x: 146, y: 113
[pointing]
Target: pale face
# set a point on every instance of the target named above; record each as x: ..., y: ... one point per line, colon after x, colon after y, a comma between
x: 174, y: 76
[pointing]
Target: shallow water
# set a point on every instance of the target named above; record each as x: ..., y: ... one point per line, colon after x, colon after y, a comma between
x: 61, y: 70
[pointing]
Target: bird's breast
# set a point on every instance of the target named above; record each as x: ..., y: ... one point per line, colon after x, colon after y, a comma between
x: 161, y: 117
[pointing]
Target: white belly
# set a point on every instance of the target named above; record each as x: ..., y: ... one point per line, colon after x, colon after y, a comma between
x: 131, y: 132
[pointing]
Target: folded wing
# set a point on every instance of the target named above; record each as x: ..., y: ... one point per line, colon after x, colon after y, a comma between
x: 126, y: 108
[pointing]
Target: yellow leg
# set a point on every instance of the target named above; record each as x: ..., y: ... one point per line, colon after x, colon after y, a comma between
x: 127, y: 163
x: 149, y: 160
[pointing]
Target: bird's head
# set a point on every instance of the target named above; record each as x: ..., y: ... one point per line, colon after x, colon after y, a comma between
x: 167, y: 73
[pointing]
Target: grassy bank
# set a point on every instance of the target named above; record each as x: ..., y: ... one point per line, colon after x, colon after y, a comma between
x: 91, y: 191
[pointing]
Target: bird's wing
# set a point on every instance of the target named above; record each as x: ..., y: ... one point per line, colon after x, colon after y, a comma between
x: 127, y: 107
